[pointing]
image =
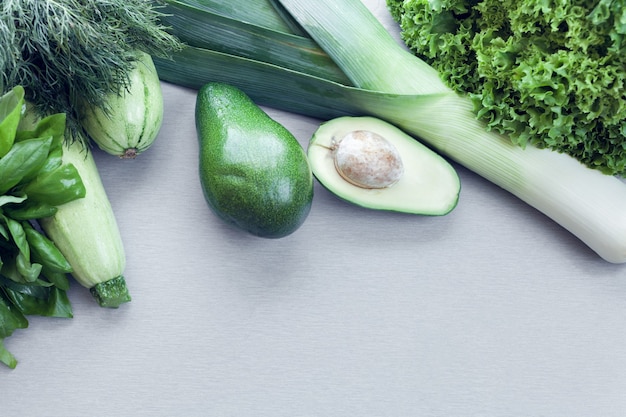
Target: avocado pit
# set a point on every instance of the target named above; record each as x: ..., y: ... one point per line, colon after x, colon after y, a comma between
x: 367, y: 160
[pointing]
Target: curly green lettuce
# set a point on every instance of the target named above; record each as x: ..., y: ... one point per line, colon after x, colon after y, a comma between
x: 550, y: 73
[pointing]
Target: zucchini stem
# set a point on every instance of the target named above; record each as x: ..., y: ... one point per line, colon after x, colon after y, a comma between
x: 111, y: 293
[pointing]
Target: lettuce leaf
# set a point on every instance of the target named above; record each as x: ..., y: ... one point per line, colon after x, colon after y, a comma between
x: 549, y: 73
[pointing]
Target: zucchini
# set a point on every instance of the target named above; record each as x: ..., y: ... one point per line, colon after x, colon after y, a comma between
x: 87, y: 234
x: 130, y: 121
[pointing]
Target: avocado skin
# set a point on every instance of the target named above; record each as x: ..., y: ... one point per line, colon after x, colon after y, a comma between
x: 254, y: 173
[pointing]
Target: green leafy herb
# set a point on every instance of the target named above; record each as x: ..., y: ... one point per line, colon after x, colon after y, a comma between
x: 68, y: 51
x: 33, y: 182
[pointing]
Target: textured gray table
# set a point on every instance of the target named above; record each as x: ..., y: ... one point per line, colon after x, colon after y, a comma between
x: 493, y: 310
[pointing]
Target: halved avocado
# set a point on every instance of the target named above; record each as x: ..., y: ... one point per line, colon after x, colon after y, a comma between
x: 373, y: 164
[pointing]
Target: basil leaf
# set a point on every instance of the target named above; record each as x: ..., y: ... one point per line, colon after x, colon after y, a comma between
x: 50, y: 126
x: 30, y: 210
x: 11, y: 319
x: 23, y: 159
x: 10, y: 114
x: 57, y: 279
x: 59, y: 304
x: 56, y: 187
x: 8, y: 199
x: 45, y: 252
x: 3, y: 231
x: 39, y: 300
x: 30, y: 271
x: 18, y: 235
x: 5, y: 356
x: 55, y: 159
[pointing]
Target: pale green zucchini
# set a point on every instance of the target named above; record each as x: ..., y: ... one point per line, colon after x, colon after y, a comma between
x: 86, y: 232
x: 131, y: 120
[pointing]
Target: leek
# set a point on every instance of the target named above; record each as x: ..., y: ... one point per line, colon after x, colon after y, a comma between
x: 271, y: 15
x: 208, y: 27
x: 392, y: 84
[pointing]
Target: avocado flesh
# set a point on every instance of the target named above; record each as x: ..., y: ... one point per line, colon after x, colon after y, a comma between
x: 253, y: 172
x: 428, y: 186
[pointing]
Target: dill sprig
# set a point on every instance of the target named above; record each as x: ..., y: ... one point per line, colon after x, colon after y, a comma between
x: 68, y: 52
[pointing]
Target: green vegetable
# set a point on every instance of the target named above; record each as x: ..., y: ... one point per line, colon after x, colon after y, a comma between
x: 132, y: 119
x: 217, y: 25
x: 392, y: 84
x: 66, y: 53
x: 85, y: 230
x: 373, y: 164
x: 254, y: 173
x: 34, y: 183
x: 70, y: 55
x: 550, y: 74
x: 94, y: 248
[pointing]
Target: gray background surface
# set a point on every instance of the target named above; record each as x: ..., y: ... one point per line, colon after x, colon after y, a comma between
x: 493, y: 310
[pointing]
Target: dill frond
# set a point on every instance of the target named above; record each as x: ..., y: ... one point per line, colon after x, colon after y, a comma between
x: 66, y: 52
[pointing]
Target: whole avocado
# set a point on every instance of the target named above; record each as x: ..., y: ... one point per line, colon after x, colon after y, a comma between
x: 254, y: 173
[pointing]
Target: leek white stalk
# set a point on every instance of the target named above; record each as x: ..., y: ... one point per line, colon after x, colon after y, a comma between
x: 587, y: 203
x: 584, y: 201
